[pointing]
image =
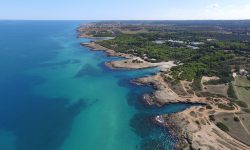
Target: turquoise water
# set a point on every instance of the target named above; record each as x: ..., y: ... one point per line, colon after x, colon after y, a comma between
x: 58, y: 95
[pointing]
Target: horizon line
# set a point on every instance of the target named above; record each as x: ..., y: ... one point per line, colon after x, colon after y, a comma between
x: 125, y: 20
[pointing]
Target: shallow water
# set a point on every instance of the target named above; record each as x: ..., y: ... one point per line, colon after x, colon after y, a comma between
x: 58, y: 95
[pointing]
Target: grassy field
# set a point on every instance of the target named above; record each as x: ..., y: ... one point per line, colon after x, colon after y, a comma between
x: 242, y: 89
x: 217, y: 89
x: 237, y: 128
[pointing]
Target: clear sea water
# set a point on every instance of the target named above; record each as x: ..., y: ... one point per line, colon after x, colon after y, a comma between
x: 58, y: 95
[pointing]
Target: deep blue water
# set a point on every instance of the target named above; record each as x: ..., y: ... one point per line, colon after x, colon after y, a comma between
x: 57, y: 95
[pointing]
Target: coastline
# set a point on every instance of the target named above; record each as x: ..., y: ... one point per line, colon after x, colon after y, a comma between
x: 163, y: 93
x: 183, y: 125
x: 130, y: 61
x: 96, y: 47
x: 195, y: 130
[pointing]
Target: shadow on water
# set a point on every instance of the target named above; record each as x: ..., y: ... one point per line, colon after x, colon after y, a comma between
x: 142, y: 125
x: 87, y: 70
x: 48, y: 125
x: 153, y: 136
x: 38, y: 123
x: 151, y: 144
x: 62, y: 63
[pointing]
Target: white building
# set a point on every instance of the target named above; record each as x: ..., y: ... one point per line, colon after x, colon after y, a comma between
x: 243, y: 72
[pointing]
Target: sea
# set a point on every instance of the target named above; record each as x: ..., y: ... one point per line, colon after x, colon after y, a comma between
x: 58, y: 95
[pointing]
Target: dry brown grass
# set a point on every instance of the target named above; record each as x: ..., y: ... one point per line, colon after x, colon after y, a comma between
x: 220, y: 89
x: 236, y: 128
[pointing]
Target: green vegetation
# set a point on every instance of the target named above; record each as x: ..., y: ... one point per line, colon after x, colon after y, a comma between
x: 241, y: 104
x: 222, y: 126
x: 248, y: 77
x: 142, y: 44
x: 197, y: 62
x: 196, y: 84
x: 226, y: 107
x: 246, y: 110
x: 229, y: 45
x: 230, y: 91
x: 215, y: 63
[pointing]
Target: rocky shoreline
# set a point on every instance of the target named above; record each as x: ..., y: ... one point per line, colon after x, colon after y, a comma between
x: 192, y: 127
x: 195, y: 131
x: 163, y: 93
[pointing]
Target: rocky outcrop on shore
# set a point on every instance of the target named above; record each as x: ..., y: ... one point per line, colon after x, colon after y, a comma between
x: 96, y: 47
x: 196, y: 131
x: 131, y: 63
x: 163, y: 94
x: 192, y: 127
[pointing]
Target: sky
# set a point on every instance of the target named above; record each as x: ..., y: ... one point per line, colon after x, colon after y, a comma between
x: 124, y: 9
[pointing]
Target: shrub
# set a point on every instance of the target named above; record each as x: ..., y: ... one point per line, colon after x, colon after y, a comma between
x: 248, y: 77
x: 236, y: 119
x: 241, y: 104
x: 209, y: 107
x: 197, y: 122
x: 246, y: 110
x: 226, y: 107
x: 211, y: 118
x: 222, y: 126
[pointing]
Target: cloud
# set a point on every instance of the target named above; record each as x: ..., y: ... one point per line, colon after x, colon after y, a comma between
x: 215, y: 11
x: 214, y: 6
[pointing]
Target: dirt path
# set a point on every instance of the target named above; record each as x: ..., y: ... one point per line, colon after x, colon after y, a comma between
x: 245, y: 128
